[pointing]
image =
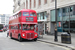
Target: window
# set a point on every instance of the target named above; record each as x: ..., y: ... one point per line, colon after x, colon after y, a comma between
x: 45, y: 1
x: 24, y: 27
x: 64, y: 10
x: 45, y: 13
x: 25, y: 13
x: 20, y: 26
x: 30, y: 4
x: 12, y: 27
x: 42, y: 15
x: 15, y: 16
x: 52, y: 0
x: 2, y: 22
x: 19, y: 14
x: 39, y: 2
x: 32, y: 14
x: 37, y: 16
x: 28, y: 27
x: 52, y: 15
x: 71, y: 9
x: 26, y: 4
x: 34, y: 3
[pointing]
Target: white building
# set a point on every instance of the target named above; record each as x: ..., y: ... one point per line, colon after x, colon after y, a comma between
x: 4, y: 19
x: 45, y: 10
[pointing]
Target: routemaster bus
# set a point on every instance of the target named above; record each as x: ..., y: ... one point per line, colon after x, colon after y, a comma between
x: 22, y: 25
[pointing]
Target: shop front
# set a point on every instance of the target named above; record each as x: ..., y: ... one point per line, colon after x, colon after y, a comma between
x: 42, y: 22
x: 65, y: 18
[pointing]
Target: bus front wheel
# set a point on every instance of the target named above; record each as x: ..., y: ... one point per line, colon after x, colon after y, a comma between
x: 19, y: 38
x: 11, y: 35
x: 35, y: 39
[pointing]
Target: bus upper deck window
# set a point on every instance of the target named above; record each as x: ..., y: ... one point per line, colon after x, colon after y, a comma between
x: 19, y: 14
x: 32, y: 14
x: 25, y: 13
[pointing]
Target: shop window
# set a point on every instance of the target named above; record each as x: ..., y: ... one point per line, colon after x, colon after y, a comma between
x: 39, y: 16
x: 64, y: 10
x: 45, y: 15
x: 42, y: 15
x: 52, y: 15
x: 71, y: 9
x: 59, y: 14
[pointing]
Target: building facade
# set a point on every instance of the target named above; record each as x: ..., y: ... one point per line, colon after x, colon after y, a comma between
x: 4, y: 19
x: 46, y: 12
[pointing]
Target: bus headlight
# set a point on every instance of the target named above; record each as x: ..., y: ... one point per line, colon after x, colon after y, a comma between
x: 23, y: 34
x: 35, y: 34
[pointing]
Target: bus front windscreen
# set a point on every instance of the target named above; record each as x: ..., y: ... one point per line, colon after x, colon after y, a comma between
x: 32, y: 14
x: 28, y: 27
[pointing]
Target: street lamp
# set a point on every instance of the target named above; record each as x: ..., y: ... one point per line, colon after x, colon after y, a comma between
x: 55, y: 22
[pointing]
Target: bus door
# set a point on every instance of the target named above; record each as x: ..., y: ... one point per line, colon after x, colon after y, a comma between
x: 12, y: 30
x: 19, y: 29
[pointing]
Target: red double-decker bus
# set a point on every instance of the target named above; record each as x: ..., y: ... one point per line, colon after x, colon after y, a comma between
x: 22, y: 25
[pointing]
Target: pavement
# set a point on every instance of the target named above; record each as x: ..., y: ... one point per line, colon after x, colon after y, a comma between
x: 50, y: 39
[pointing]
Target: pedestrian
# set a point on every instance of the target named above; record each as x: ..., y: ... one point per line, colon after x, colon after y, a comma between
x: 47, y: 30
x: 7, y: 32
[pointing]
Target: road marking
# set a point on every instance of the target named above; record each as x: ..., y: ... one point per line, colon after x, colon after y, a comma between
x: 28, y: 44
x: 18, y: 42
x: 22, y: 44
x: 56, y: 45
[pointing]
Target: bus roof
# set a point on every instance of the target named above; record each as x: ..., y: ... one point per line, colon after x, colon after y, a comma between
x: 27, y: 10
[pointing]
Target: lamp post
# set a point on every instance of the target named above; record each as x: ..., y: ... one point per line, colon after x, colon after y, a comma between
x: 55, y: 22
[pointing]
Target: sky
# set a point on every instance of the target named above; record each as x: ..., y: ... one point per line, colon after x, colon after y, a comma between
x: 6, y: 6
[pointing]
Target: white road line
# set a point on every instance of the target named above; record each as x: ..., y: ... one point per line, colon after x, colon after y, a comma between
x: 18, y: 42
x: 22, y: 44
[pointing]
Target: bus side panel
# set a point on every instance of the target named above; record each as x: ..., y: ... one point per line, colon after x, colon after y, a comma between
x: 17, y: 31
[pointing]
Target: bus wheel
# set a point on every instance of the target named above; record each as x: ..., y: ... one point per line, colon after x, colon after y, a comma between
x: 19, y: 38
x: 11, y: 35
x: 35, y: 39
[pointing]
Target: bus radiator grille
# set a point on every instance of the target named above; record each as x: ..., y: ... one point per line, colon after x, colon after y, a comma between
x: 30, y: 36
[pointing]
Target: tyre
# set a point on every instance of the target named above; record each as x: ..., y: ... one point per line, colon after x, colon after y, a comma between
x: 35, y: 39
x: 19, y: 38
x: 11, y: 35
